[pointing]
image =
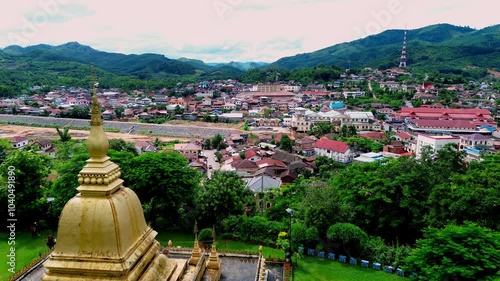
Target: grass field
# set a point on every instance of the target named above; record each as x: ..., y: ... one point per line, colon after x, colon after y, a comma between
x: 27, y: 249
x: 325, y: 270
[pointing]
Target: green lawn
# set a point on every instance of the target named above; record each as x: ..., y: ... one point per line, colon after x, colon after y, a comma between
x: 320, y: 269
x: 27, y: 249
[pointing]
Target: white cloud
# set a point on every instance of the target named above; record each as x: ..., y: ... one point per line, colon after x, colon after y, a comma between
x: 225, y: 30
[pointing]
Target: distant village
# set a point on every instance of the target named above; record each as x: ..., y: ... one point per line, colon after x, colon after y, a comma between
x: 273, y: 110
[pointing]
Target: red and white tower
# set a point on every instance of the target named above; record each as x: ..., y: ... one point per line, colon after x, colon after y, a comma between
x: 402, y: 60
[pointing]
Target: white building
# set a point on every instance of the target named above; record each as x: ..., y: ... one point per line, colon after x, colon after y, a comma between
x: 435, y: 142
x: 353, y: 94
x: 336, y: 150
x: 290, y: 88
x: 19, y: 142
x: 475, y: 140
x: 303, y: 119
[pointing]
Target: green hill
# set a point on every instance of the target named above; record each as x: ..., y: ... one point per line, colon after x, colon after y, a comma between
x: 142, y: 66
x: 436, y: 47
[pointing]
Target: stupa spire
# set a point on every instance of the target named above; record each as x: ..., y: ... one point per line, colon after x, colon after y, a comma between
x: 97, y: 144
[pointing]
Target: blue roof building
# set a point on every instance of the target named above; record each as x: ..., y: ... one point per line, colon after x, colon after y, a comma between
x: 336, y: 105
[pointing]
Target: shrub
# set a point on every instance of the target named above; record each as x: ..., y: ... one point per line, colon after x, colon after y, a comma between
x: 255, y: 228
x: 376, y: 250
x: 231, y: 225
x: 205, y: 235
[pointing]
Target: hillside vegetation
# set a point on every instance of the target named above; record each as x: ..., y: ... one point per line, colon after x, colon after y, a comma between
x: 440, y: 47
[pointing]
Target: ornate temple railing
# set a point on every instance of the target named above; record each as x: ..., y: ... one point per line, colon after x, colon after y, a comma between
x: 30, y: 266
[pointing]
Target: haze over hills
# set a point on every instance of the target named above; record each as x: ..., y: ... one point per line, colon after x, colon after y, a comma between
x: 439, y: 47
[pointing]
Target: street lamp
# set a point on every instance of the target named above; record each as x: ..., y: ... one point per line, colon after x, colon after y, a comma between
x: 290, y: 250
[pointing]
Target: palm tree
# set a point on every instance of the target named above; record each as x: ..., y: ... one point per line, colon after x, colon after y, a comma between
x: 64, y: 135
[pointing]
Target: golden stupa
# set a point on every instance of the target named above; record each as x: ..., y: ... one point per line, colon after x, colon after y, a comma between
x: 102, y: 233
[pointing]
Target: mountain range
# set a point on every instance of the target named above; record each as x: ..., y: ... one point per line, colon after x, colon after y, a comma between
x: 441, y: 47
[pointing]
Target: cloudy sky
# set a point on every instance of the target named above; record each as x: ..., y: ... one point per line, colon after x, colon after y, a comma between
x: 226, y: 30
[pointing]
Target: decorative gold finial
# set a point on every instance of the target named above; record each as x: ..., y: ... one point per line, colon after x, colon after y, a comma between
x: 214, y: 263
x: 195, y: 233
x: 98, y: 144
x: 196, y: 254
x: 213, y: 236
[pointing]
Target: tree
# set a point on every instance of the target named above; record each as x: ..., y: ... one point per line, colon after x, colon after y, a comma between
x: 207, y: 144
x: 64, y: 186
x: 363, y: 144
x: 321, y: 128
x: 286, y: 143
x: 218, y: 142
x: 467, y: 252
x: 218, y: 155
x: 4, y: 147
x: 245, y: 126
x: 26, y: 171
x: 304, y: 236
x: 351, y: 131
x: 122, y: 145
x: 223, y: 195
x: 348, y: 234
x: 267, y: 112
x: 66, y: 150
x: 387, y: 196
x: 178, y: 110
x: 207, y: 118
x: 165, y: 185
x: 472, y: 196
x: 321, y: 205
x: 119, y: 111
x: 64, y: 135
x: 158, y: 143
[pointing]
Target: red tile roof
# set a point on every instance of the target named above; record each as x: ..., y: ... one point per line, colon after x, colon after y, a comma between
x: 244, y: 164
x: 437, y: 113
x: 446, y: 124
x: 18, y: 139
x: 250, y: 153
x: 270, y: 162
x: 326, y: 143
x: 403, y: 135
x: 374, y: 135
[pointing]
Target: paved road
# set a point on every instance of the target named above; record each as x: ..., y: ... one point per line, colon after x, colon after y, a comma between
x: 211, y: 162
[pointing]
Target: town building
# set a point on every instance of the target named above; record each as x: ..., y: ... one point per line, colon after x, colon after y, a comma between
x: 434, y: 142
x: 19, y: 142
x: 477, y: 141
x: 336, y: 150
